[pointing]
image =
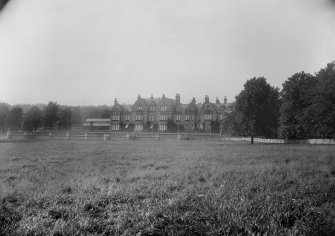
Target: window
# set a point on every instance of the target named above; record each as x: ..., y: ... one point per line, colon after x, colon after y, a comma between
x: 162, y: 127
x: 115, y: 127
x: 127, y: 117
x: 138, y: 127
x: 163, y: 117
x: 152, y: 108
x: 187, y: 117
x: 163, y: 108
x: 115, y: 117
x: 178, y: 118
x: 139, y: 108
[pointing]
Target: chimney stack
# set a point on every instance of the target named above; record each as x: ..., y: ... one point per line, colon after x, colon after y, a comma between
x: 177, y: 99
x: 115, y: 102
x: 193, y: 101
x: 217, y: 100
x: 206, y: 99
x: 225, y: 100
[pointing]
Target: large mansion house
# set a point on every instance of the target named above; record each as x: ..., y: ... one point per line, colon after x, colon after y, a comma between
x: 169, y: 115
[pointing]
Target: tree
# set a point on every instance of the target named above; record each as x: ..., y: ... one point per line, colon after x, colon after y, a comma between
x: 14, y: 118
x: 106, y: 113
x: 296, y: 111
x: 324, y: 105
x: 257, y: 109
x: 171, y: 126
x: 215, y: 126
x: 228, y: 123
x: 32, y: 119
x: 4, y: 111
x: 76, y: 117
x: 65, y: 115
x: 147, y: 126
x: 95, y: 112
x: 51, y: 115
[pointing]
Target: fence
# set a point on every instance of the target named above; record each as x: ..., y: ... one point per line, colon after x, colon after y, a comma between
x: 104, y: 136
x: 282, y: 141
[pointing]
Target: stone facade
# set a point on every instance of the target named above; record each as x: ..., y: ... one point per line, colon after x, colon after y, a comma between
x: 169, y: 115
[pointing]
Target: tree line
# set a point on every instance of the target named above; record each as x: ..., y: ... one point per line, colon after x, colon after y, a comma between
x: 304, y: 108
x: 51, y: 116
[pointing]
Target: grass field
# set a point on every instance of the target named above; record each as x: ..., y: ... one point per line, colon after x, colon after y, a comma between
x: 166, y: 187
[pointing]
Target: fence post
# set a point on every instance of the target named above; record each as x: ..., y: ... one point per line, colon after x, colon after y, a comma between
x: 106, y: 136
x: 67, y: 135
x: 9, y: 134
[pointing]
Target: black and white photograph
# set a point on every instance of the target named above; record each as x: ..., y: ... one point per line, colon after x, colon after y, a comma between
x: 167, y: 117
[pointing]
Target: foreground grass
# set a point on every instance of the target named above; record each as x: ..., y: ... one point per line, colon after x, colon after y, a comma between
x: 166, y: 187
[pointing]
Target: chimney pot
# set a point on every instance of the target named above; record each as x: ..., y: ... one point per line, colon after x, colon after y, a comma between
x: 206, y: 99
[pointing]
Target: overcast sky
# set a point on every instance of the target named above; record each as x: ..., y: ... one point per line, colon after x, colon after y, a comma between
x: 81, y: 52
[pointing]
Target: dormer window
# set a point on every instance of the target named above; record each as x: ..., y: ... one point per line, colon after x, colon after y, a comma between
x: 164, y: 108
x: 139, y: 108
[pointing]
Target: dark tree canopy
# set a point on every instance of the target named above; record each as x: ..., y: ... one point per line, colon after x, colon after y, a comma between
x: 76, y: 117
x: 14, y: 118
x: 3, y: 3
x: 215, y: 126
x: 296, y: 119
x: 171, y: 126
x: 106, y: 113
x: 4, y: 110
x: 308, y: 105
x: 65, y: 117
x: 257, y: 109
x: 51, y: 115
x: 324, y: 105
x: 32, y: 119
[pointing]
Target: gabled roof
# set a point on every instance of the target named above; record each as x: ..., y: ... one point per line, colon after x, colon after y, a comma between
x: 181, y: 108
x: 158, y: 102
x: 191, y: 107
x: 126, y: 107
x: 226, y: 106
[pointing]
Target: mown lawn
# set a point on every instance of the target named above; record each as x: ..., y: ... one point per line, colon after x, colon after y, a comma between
x: 166, y: 187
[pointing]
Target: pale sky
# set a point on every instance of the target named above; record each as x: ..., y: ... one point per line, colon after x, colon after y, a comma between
x: 81, y: 52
